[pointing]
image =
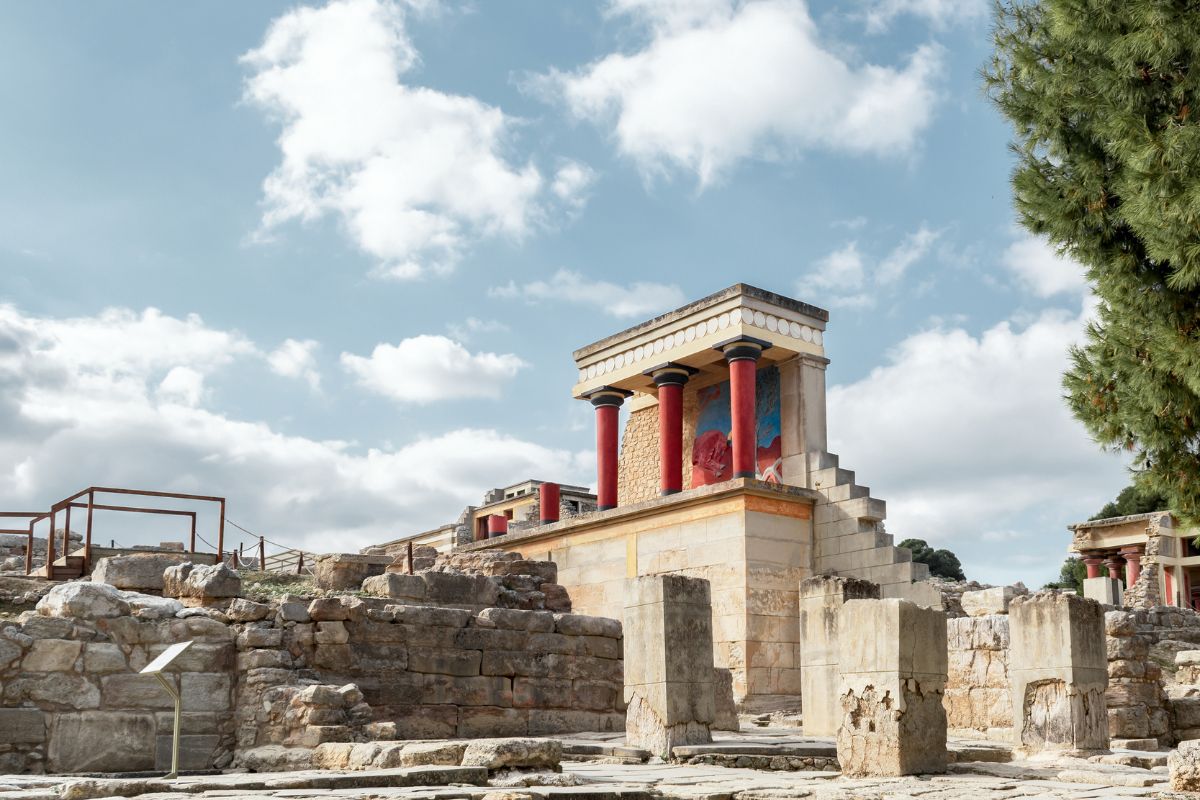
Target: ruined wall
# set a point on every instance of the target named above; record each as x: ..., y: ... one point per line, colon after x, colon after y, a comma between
x: 978, y: 696
x: 637, y: 467
x: 1137, y: 704
x: 73, y: 702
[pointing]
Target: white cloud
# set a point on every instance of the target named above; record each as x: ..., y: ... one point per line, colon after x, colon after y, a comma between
x: 296, y: 359
x: 571, y: 182
x: 469, y: 327
x: 425, y: 369
x: 967, y: 436
x: 941, y: 14
x: 847, y: 281
x: 638, y: 299
x: 1040, y: 269
x: 415, y: 175
x: 718, y: 82
x: 70, y: 417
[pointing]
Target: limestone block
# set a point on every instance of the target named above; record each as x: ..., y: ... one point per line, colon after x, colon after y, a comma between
x: 581, y: 625
x: 196, y: 751
x: 22, y: 726
x: 457, y: 589
x: 668, y: 662
x: 243, y: 610
x: 275, y: 758
x: 445, y: 662
x: 294, y: 612
x: 51, y: 655
x: 419, y: 754
x: 1106, y: 591
x: 139, y: 571
x: 726, y: 718
x: 332, y: 755
x: 397, y: 585
x: 542, y: 693
x: 101, y: 741
x: 145, y: 606
x: 513, y: 753
x: 820, y: 601
x: 201, y: 582
x: 514, y: 619
x: 347, y: 570
x: 251, y: 638
x: 83, y: 601
x: 56, y: 688
x: 1059, y: 672
x: 1184, y: 766
x: 134, y: 691
x: 475, y: 722
x: 987, y: 601
x: 891, y: 686
x: 431, y: 616
x: 425, y: 721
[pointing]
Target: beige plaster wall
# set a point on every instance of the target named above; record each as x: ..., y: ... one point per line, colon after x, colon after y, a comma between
x: 753, y: 551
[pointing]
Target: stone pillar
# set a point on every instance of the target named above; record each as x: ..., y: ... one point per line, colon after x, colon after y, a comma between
x: 670, y: 380
x: 1133, y: 562
x: 668, y: 663
x: 608, y: 404
x: 821, y: 600
x: 497, y: 525
x: 892, y: 661
x: 1106, y: 591
x: 801, y: 414
x: 549, y: 499
x: 742, y: 356
x: 1058, y: 665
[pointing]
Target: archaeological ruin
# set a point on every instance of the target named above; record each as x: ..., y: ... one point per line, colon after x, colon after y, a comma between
x: 725, y: 616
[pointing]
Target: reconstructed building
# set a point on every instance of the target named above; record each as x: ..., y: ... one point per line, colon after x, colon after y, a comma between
x: 722, y: 472
x: 1154, y: 560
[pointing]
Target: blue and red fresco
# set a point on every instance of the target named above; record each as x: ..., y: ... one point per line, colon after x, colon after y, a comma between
x: 712, y: 450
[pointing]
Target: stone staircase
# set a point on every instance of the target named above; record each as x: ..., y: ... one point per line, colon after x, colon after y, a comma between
x: 66, y: 568
x: 848, y: 533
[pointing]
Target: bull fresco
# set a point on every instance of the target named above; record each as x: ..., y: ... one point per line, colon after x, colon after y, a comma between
x: 712, y: 449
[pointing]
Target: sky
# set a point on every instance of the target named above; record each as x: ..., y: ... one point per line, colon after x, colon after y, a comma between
x: 330, y: 260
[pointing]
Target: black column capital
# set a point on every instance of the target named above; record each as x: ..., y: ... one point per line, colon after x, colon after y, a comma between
x: 607, y: 396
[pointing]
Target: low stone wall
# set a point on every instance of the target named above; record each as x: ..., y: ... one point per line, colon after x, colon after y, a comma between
x: 1137, y: 703
x: 978, y: 696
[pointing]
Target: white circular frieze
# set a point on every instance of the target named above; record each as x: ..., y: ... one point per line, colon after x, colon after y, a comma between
x: 637, y: 353
x: 619, y: 361
x: 678, y: 338
x: 591, y: 370
x: 583, y: 374
x: 690, y: 333
x: 723, y: 321
x: 817, y: 336
x: 772, y: 323
x: 806, y: 333
x: 658, y: 345
x: 794, y: 329
x: 747, y: 316
x: 712, y: 325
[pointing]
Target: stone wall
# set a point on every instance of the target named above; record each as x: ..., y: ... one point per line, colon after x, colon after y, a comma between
x: 637, y: 469
x: 978, y: 697
x: 1137, y: 703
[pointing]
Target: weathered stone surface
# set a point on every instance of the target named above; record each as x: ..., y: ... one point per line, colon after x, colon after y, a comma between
x: 513, y: 753
x: 140, y: 571
x: 395, y: 584
x: 1059, y: 670
x: 92, y: 788
x: 516, y: 619
x: 275, y: 758
x: 892, y: 681
x: 332, y: 755
x: 328, y: 609
x: 56, y: 690
x: 978, y: 692
x: 101, y: 741
x: 987, y: 601
x: 1184, y: 766
x: 51, y: 655
x: 726, y: 718
x: 87, y: 601
x: 668, y: 661
x: 581, y: 625
x: 145, y: 606
x: 419, y: 754
x: 242, y: 610
x: 820, y: 600
x: 201, y: 581
x: 347, y: 570
x: 22, y: 726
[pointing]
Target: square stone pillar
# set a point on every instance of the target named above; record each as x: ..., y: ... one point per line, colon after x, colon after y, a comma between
x: 892, y: 659
x: 1058, y: 666
x: 1107, y: 591
x: 801, y: 414
x: 668, y: 663
x: 821, y: 600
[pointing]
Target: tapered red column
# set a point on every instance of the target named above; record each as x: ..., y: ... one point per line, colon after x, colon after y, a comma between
x: 1092, y: 562
x: 549, y: 496
x: 1133, y: 563
x: 497, y: 525
x: 670, y: 381
x: 743, y: 357
x: 608, y: 405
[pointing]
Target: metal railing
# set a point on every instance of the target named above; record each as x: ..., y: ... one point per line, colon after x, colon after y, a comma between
x: 74, y: 502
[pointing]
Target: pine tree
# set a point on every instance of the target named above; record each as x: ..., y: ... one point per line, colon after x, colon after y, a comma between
x: 942, y: 563
x: 1106, y: 112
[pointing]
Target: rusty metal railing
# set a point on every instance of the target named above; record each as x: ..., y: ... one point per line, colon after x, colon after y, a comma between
x: 65, y: 506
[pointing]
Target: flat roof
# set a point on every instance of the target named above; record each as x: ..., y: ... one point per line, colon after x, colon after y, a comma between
x: 1111, y: 521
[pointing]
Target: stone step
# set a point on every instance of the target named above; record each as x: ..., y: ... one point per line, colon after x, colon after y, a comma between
x: 845, y: 491
x: 863, y: 508
x: 821, y: 460
x: 832, y: 528
x: 868, y: 540
x: 856, y: 562
x: 827, y: 478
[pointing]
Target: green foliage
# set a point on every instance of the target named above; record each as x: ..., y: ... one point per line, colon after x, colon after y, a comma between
x: 942, y: 563
x: 1106, y: 113
x: 1133, y: 499
x: 1071, y: 575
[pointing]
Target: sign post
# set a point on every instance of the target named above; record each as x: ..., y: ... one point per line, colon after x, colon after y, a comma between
x: 156, y: 668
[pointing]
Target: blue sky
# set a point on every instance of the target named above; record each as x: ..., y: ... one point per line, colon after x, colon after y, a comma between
x: 331, y: 260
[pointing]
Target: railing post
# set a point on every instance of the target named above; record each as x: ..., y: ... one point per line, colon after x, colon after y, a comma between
x: 67, y: 534
x: 50, y: 547
x: 87, y: 543
x: 221, y: 535
x: 29, y: 549
x: 262, y: 555
x: 300, y: 564
x: 410, y: 552
x: 192, y: 542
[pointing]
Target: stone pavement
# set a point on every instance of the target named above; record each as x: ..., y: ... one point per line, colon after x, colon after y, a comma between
x: 1118, y: 775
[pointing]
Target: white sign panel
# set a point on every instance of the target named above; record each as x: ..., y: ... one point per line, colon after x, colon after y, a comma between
x: 165, y: 658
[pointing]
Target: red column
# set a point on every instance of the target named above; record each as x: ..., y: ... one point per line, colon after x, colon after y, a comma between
x: 1092, y: 561
x: 743, y: 365
x: 1133, y: 563
x: 1115, y: 564
x: 497, y: 525
x: 608, y: 404
x: 670, y: 381
x: 548, y: 497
